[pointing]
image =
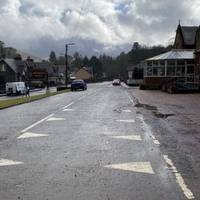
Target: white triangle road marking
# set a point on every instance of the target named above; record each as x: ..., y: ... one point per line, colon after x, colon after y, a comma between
x: 55, y: 119
x: 31, y: 135
x: 140, y: 167
x: 5, y: 162
x: 128, y: 137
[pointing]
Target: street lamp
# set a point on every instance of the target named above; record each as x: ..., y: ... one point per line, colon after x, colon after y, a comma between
x: 66, y: 60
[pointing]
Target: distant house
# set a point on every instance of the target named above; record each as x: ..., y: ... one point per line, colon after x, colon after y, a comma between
x: 84, y: 73
x: 12, y: 70
x: 135, y: 74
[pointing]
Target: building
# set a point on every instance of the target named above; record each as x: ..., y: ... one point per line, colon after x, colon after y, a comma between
x: 179, y: 68
x: 176, y: 65
x: 84, y: 73
x: 12, y: 70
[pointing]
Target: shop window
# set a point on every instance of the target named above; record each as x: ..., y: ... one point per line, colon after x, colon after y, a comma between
x: 170, y: 71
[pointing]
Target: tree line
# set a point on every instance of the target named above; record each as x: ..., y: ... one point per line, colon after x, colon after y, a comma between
x: 108, y: 67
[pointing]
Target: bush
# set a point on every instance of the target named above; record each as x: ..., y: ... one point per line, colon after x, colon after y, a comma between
x: 61, y: 88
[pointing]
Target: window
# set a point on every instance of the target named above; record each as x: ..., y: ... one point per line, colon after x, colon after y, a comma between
x: 180, y: 71
x: 180, y: 62
x: 171, y: 63
x: 155, y: 71
x: 170, y: 71
x: 190, y: 69
x: 149, y: 71
x: 149, y: 63
x: 161, y: 71
x: 162, y: 63
x: 2, y: 67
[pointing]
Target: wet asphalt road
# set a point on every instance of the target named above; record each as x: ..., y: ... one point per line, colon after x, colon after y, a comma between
x: 95, y: 147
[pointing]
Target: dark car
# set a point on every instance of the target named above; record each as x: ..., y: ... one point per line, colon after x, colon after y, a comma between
x: 78, y: 85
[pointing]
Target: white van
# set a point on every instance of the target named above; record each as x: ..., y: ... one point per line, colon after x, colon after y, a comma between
x: 15, y: 88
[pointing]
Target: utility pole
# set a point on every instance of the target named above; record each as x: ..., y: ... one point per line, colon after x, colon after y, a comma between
x: 66, y: 62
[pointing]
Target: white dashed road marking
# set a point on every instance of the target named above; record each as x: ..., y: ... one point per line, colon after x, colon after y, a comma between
x: 128, y: 137
x: 126, y: 120
x: 187, y: 192
x: 140, y: 167
x: 31, y: 135
x: 55, y: 119
x: 67, y: 106
x: 126, y: 111
x: 5, y: 162
x: 68, y: 110
x: 35, y: 124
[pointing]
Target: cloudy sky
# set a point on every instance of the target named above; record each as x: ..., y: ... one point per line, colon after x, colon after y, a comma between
x: 96, y: 26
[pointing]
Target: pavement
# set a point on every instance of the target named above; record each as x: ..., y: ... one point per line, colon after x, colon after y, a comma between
x: 85, y: 145
x: 33, y: 92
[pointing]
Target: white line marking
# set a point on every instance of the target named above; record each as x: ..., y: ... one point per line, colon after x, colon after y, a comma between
x: 65, y: 107
x: 31, y: 135
x: 179, y: 179
x: 131, y: 100
x: 82, y: 98
x: 126, y: 111
x: 55, y: 119
x: 126, y: 120
x: 67, y: 110
x: 5, y: 162
x: 128, y: 137
x: 35, y: 124
x: 140, y: 167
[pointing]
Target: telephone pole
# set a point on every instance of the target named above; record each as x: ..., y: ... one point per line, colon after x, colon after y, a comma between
x: 66, y: 62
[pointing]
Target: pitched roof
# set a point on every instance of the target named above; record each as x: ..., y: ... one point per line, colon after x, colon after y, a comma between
x: 16, y: 65
x: 189, y: 34
x: 175, y: 54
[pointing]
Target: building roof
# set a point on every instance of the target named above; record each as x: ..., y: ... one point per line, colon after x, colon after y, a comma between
x: 189, y: 34
x: 16, y: 65
x: 175, y: 54
x: 23, y: 54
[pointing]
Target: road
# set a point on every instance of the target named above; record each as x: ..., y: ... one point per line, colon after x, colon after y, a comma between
x: 84, y: 146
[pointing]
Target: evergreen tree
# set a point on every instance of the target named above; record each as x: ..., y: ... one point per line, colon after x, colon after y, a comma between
x: 52, y: 57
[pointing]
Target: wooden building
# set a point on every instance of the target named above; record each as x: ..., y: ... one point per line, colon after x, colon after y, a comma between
x: 84, y: 73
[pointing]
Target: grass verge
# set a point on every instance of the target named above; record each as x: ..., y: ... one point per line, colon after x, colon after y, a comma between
x: 13, y: 102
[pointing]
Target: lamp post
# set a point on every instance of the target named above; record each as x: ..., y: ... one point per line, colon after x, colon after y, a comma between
x: 66, y: 62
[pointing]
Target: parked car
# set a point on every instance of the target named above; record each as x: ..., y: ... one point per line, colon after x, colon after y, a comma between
x: 116, y: 82
x: 78, y: 85
x: 15, y: 88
